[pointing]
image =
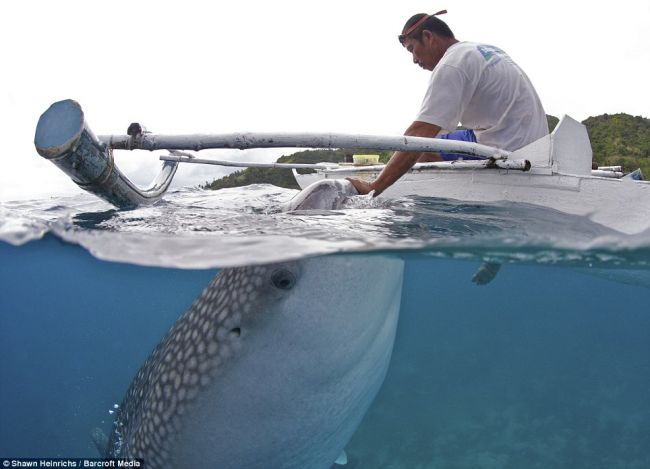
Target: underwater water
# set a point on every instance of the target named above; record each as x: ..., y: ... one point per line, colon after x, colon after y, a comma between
x: 546, y: 365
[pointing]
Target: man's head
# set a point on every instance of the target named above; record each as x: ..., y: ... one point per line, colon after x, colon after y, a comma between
x: 426, y: 38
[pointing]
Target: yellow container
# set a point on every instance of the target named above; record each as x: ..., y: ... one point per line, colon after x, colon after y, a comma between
x: 362, y: 160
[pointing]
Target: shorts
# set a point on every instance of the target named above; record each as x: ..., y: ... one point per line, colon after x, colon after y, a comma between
x: 465, y: 135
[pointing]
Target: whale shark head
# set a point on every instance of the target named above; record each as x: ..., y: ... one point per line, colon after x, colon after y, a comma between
x: 272, y: 366
x: 326, y: 194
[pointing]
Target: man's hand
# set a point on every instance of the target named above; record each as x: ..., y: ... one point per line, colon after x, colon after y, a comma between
x: 399, y: 163
x: 361, y: 187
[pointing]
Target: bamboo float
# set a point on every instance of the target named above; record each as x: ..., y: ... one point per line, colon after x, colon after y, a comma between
x: 64, y: 138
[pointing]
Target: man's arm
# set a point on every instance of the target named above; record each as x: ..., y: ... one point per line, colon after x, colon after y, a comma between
x: 400, y: 162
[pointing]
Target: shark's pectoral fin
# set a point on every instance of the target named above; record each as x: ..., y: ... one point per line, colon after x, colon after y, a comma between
x: 342, y: 460
x: 486, y: 273
x: 101, y: 441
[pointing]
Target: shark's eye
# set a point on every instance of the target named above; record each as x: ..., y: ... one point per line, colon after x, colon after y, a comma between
x: 283, y: 279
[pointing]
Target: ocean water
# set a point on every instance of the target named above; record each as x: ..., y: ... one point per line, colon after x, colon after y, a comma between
x: 546, y: 365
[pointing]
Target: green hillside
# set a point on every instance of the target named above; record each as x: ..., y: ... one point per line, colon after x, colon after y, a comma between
x: 284, y: 177
x: 616, y: 139
x: 620, y: 139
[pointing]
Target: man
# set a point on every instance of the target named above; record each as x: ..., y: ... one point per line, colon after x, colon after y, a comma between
x: 475, y: 84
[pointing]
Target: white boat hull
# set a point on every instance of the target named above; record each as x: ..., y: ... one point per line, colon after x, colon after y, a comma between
x: 620, y: 204
x: 560, y: 178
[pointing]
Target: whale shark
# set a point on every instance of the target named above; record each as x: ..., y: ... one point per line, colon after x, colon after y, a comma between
x: 272, y: 366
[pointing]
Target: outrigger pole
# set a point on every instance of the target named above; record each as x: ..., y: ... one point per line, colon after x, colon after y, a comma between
x: 64, y: 137
x: 244, y: 141
x: 487, y: 163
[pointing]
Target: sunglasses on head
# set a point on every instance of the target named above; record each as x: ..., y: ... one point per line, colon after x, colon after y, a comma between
x: 402, y: 37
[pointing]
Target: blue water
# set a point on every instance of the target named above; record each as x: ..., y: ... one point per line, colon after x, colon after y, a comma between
x: 548, y: 365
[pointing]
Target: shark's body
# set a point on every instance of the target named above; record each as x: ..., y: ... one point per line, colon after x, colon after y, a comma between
x: 272, y: 367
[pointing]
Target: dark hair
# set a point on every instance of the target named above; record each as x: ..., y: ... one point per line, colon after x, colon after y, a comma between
x: 432, y: 23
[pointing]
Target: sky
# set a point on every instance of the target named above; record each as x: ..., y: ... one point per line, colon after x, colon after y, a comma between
x: 283, y: 66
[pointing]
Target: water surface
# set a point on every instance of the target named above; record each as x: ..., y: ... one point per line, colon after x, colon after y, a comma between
x: 547, y: 365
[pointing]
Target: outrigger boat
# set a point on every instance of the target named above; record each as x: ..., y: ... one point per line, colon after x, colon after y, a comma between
x: 554, y: 172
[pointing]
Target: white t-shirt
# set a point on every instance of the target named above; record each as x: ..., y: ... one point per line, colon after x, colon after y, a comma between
x: 482, y: 88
